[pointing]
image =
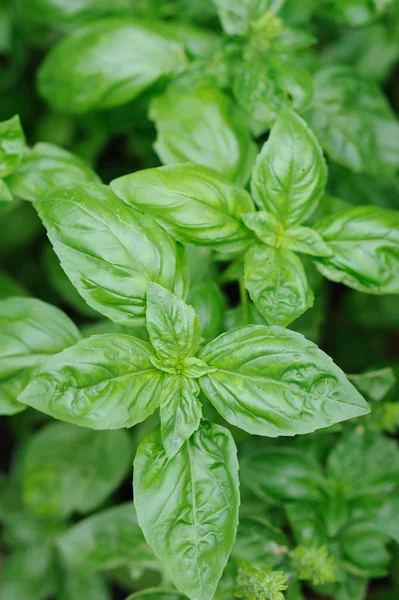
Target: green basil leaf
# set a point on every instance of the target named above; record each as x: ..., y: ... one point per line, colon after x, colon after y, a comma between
x: 69, y: 469
x: 306, y: 240
x: 387, y: 519
x: 236, y: 15
x: 219, y: 133
x: 277, y: 283
x: 5, y: 196
x: 12, y: 145
x: 31, y: 331
x: 107, y: 540
x: 354, y: 588
x: 353, y: 121
x: 61, y: 14
x: 365, y: 246
x: 180, y: 412
x: 365, y: 549
x: 156, y: 594
x: 266, y: 227
x: 259, y: 542
x: 365, y: 466
x: 353, y: 12
x: 282, y: 475
x: 106, y: 64
x: 290, y: 173
x: 284, y: 385
x: 104, y: 382
x: 374, y: 384
x: 45, y: 168
x: 307, y: 523
x: 110, y: 251
x: 70, y: 585
x: 28, y: 574
x: 209, y: 304
x: 172, y: 325
x: 194, y: 203
x: 11, y: 287
x: 191, y: 536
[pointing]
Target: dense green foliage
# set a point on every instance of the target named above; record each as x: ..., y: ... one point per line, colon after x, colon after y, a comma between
x: 199, y: 276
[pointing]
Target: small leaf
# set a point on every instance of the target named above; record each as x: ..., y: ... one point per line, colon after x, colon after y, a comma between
x: 173, y: 326
x: 109, y: 539
x: 219, y: 131
x: 266, y: 227
x: 277, y: 283
x: 374, y: 384
x: 272, y: 381
x: 104, y: 382
x: 290, y: 173
x: 306, y: 240
x: 195, y: 204
x: 180, y: 412
x: 365, y: 249
x: 12, y: 145
x: 31, y: 331
x: 110, y: 251
x: 68, y: 469
x: 191, y: 536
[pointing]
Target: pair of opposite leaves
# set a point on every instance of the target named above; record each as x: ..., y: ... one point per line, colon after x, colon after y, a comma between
x: 266, y: 380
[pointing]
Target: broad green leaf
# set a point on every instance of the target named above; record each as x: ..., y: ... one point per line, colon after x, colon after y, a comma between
x: 31, y: 331
x: 10, y: 286
x: 353, y: 121
x: 306, y: 240
x: 173, y: 326
x: 70, y: 585
x: 69, y: 469
x: 187, y: 506
x: 307, y: 523
x: 264, y: 86
x: 194, y: 203
x: 365, y: 549
x: 365, y: 466
x: 365, y: 249
x: 266, y: 226
x: 104, y: 382
x: 277, y: 283
x: 290, y: 173
x: 282, y: 475
x: 219, y: 135
x: 156, y: 594
x: 107, y: 540
x: 374, y: 384
x: 28, y: 574
x: 45, y: 168
x: 180, y: 412
x: 12, y: 145
x: 283, y: 385
x: 209, y: 304
x: 259, y: 542
x: 387, y: 519
x: 106, y: 64
x: 110, y: 251
x: 237, y: 15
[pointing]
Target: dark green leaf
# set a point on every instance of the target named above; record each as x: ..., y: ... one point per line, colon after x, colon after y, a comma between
x: 387, y: 519
x: 191, y: 535
x: 365, y: 549
x: 375, y: 384
x: 259, y: 542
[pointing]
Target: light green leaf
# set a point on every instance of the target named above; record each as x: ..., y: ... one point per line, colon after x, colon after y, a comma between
x: 104, y: 382
x: 365, y: 246
x: 45, y: 168
x: 28, y: 574
x: 12, y: 145
x: 195, y: 204
x: 191, y: 536
x: 173, y: 326
x: 209, y: 304
x: 70, y: 585
x: 290, y: 173
x: 282, y: 475
x: 31, y: 331
x: 306, y: 240
x: 354, y: 121
x: 237, y: 15
x: 277, y: 283
x: 266, y: 226
x: 219, y: 132
x: 106, y: 64
x: 180, y: 412
x: 107, y: 540
x: 110, y: 251
x: 374, y: 384
x: 272, y: 381
x: 68, y: 469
